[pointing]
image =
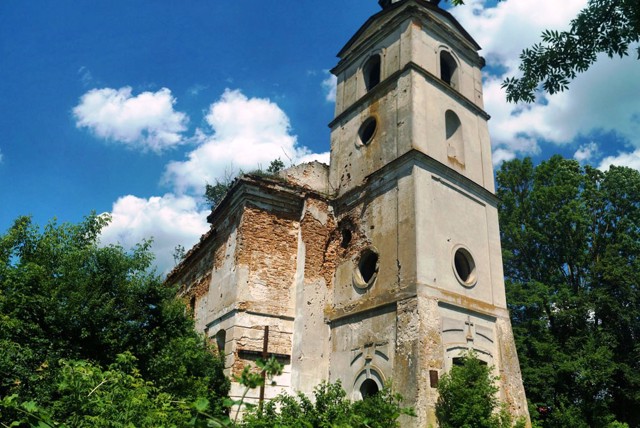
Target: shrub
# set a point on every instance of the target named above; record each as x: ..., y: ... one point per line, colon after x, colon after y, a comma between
x: 468, y: 398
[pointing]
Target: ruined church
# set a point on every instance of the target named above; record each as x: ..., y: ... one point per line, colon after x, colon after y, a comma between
x: 385, y: 265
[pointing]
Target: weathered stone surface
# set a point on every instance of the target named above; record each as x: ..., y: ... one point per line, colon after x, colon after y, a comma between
x: 311, y: 176
x: 385, y: 265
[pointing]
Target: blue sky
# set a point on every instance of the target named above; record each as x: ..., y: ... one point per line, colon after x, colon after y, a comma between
x: 130, y: 107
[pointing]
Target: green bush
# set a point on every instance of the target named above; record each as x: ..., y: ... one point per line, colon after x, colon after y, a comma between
x: 330, y: 408
x: 467, y: 398
x: 75, y: 315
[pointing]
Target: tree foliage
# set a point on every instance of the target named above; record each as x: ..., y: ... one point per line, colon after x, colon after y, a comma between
x: 330, y: 408
x: 603, y: 26
x: 571, y: 249
x: 275, y: 166
x: 468, y: 397
x: 214, y: 193
x: 608, y: 27
x: 73, y: 313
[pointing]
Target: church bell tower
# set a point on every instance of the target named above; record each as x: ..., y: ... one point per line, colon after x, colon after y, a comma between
x: 413, y: 178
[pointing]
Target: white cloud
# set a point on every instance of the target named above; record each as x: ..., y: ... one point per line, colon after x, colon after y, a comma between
x: 310, y: 157
x: 246, y: 133
x: 631, y: 160
x: 170, y: 220
x: 329, y: 85
x: 503, y: 31
x: 1, y: 156
x: 586, y: 152
x: 146, y: 121
x: 502, y: 155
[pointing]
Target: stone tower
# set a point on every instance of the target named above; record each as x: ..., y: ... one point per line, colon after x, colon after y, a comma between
x: 385, y: 265
x: 411, y: 161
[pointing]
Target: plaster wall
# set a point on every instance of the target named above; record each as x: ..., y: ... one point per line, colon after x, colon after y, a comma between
x: 450, y: 216
x: 428, y: 109
x: 376, y: 220
x: 314, y: 283
x: 363, y: 347
x: 245, y: 334
x: 394, y: 51
x: 429, y: 39
x: 313, y: 176
x: 223, y: 291
x: 351, y: 160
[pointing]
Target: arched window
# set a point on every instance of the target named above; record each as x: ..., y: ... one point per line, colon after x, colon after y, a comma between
x: 368, y: 383
x: 221, y: 339
x: 455, y: 142
x: 448, y: 69
x: 371, y: 71
x: 369, y: 388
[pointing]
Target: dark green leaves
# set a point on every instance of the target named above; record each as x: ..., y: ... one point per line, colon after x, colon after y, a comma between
x: 571, y: 247
x: 330, y: 408
x: 468, y: 397
x: 74, y: 314
x: 603, y: 26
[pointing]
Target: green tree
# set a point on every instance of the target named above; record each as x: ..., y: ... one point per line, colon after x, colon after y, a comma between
x: 603, y: 26
x: 571, y: 250
x: 91, y: 397
x: 330, y: 408
x: 66, y: 301
x: 214, y: 193
x: 468, y: 397
x: 275, y: 166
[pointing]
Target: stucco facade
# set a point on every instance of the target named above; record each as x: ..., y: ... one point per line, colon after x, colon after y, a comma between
x: 385, y: 265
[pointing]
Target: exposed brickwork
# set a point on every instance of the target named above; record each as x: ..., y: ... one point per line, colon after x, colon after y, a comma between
x: 202, y: 286
x: 267, y: 246
x: 320, y: 249
x: 219, y: 256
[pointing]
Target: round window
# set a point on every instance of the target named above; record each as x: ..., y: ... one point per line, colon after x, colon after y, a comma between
x: 367, y: 271
x: 464, y: 267
x: 368, y: 130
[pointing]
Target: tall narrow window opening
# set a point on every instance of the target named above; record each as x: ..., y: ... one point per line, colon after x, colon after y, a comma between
x: 221, y: 340
x: 371, y: 72
x: 454, y: 138
x: 346, y: 237
x: 448, y: 69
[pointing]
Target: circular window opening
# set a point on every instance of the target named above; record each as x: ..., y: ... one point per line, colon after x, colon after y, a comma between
x: 465, y: 267
x: 368, y: 130
x: 367, y: 270
x: 346, y: 238
x: 369, y: 388
x: 368, y: 265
